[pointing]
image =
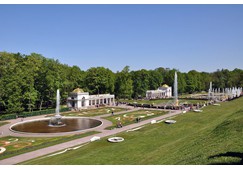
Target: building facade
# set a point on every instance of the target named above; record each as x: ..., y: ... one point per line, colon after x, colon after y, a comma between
x: 78, y: 99
x: 162, y: 92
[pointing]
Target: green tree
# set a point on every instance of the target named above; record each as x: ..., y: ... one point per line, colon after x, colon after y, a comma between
x: 155, y: 79
x: 181, y: 79
x: 123, y: 84
x: 30, y: 66
x: 236, y: 78
x: 99, y: 80
x: 47, y: 82
x: 71, y: 78
x: 169, y: 76
x: 194, y: 82
x: 12, y: 82
x: 140, y: 80
x: 206, y: 78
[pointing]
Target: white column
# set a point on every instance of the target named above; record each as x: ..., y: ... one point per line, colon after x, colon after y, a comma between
x: 112, y: 101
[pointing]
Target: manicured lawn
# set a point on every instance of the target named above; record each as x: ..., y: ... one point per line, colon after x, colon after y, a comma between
x: 157, y: 101
x: 191, y: 101
x: 212, y: 137
x: 19, y: 145
x: 130, y: 117
x: 163, y: 101
x: 94, y: 112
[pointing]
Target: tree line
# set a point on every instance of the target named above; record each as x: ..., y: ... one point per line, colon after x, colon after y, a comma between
x: 29, y: 82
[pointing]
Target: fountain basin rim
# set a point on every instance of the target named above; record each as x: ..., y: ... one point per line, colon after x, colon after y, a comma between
x: 2, y: 149
x: 58, y: 133
x: 170, y: 121
x: 115, y: 139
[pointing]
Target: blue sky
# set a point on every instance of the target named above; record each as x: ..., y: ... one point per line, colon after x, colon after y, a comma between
x: 184, y: 37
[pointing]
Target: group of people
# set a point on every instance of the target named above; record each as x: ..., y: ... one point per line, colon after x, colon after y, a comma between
x: 119, y: 124
x: 138, y: 119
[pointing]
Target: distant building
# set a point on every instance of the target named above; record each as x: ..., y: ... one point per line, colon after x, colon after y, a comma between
x: 162, y: 92
x: 78, y: 99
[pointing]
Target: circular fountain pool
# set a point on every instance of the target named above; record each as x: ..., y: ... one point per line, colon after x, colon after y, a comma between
x: 42, y: 125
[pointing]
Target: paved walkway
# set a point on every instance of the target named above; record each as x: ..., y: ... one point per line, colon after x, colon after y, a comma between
x: 5, y: 131
x: 62, y: 146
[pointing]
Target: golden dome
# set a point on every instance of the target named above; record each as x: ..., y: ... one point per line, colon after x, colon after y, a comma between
x: 78, y: 90
x: 165, y: 85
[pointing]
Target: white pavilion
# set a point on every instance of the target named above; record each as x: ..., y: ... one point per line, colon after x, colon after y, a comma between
x: 78, y: 99
x: 162, y: 92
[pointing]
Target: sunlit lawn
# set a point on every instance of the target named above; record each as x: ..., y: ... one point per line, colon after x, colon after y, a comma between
x: 212, y: 137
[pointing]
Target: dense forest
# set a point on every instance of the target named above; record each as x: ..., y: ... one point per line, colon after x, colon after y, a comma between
x: 29, y: 82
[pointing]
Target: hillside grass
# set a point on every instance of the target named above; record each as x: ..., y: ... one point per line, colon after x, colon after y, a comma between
x: 212, y: 137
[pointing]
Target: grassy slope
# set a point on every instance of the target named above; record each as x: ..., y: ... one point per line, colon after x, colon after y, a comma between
x: 194, y: 139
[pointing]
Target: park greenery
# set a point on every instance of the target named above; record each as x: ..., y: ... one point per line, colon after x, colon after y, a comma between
x: 213, y: 136
x: 29, y: 82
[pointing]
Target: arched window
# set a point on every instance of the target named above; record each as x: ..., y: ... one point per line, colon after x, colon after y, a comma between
x: 83, y: 101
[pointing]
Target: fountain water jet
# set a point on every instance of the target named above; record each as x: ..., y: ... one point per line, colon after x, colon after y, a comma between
x: 175, y: 91
x: 56, y: 120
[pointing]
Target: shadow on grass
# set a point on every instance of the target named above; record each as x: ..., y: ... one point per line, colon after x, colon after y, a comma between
x: 228, y: 154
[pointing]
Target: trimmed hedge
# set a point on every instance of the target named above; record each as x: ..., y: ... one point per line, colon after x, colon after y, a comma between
x: 8, y: 116
x: 34, y: 113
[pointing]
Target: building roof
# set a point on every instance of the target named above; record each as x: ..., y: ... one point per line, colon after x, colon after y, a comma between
x: 78, y: 90
x: 165, y: 85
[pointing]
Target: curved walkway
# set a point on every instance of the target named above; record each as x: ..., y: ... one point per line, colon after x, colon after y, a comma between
x: 5, y: 131
x: 104, y: 133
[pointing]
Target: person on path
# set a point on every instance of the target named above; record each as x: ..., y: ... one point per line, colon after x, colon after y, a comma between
x: 137, y: 119
x: 119, y: 124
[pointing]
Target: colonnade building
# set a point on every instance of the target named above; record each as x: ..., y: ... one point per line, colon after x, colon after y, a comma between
x: 78, y: 99
x: 162, y: 92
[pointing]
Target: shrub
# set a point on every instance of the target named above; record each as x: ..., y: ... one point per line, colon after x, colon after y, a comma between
x: 34, y: 113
